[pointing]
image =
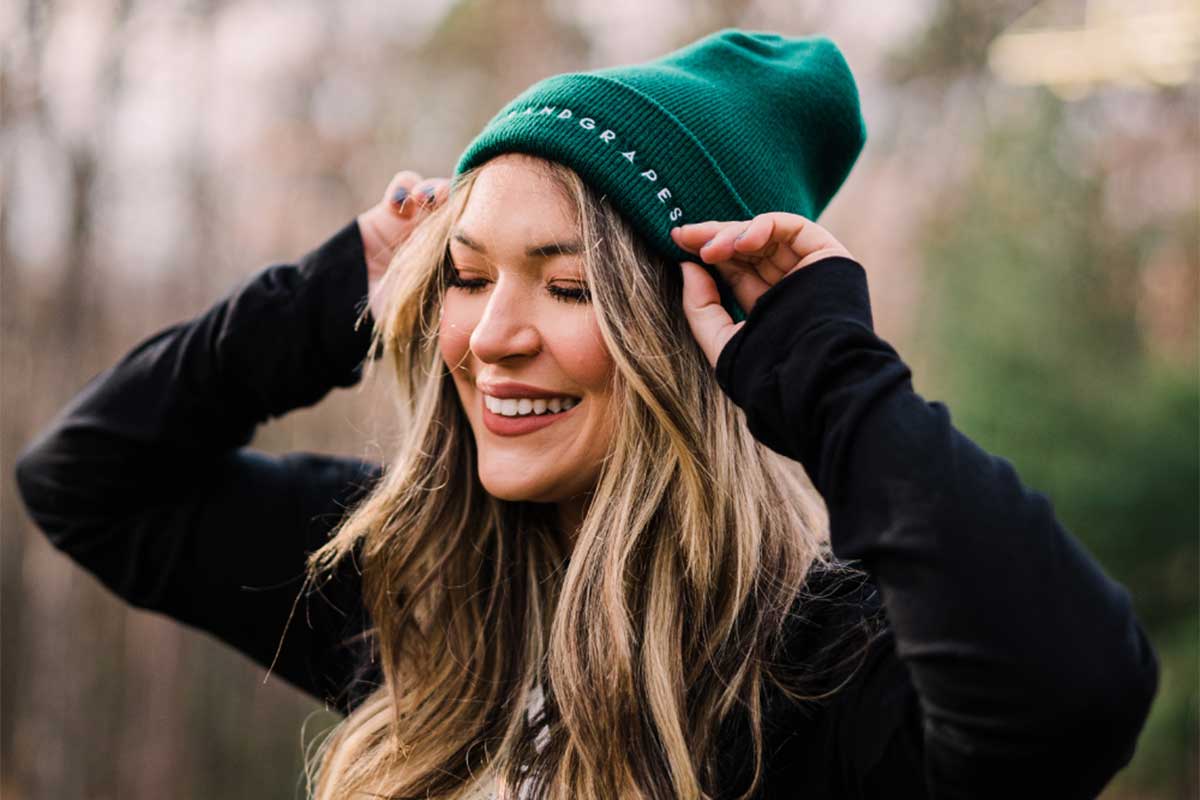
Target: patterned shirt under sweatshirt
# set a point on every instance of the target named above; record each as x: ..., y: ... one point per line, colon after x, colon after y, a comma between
x: 485, y: 788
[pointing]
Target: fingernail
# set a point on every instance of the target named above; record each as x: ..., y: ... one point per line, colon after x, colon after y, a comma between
x: 706, y: 244
x: 740, y: 235
x: 430, y: 193
x: 399, y: 196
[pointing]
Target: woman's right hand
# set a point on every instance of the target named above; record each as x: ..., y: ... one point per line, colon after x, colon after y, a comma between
x: 386, y: 225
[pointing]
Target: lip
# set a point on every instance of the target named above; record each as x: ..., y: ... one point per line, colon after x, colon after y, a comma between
x: 516, y: 426
x: 512, y: 389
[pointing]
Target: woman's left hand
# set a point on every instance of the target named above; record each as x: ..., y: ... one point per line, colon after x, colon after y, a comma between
x: 751, y: 256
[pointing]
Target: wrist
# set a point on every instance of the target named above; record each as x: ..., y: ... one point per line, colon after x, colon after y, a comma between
x: 833, y: 288
x: 376, y: 253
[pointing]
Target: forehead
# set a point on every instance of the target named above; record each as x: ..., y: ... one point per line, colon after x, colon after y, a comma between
x: 515, y: 202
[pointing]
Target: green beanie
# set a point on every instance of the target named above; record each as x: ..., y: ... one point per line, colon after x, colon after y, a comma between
x: 733, y: 125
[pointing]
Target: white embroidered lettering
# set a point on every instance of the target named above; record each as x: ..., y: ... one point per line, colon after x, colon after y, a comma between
x: 607, y: 135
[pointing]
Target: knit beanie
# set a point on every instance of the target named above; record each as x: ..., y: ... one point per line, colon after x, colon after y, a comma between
x: 730, y: 126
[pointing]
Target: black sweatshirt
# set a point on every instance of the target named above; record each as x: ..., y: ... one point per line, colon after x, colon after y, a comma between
x: 1007, y: 663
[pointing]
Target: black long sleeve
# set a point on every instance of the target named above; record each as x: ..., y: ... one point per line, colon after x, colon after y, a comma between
x: 145, y: 479
x: 1033, y: 675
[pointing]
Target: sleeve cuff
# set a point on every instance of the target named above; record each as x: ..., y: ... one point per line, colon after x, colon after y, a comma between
x: 832, y: 289
x: 336, y: 272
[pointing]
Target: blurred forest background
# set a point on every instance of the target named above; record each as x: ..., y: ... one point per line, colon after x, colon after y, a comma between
x: 1026, y: 208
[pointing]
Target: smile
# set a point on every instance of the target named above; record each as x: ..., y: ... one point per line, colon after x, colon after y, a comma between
x: 515, y: 423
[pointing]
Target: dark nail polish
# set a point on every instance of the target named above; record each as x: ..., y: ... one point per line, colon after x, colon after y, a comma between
x: 399, y: 196
x: 430, y: 193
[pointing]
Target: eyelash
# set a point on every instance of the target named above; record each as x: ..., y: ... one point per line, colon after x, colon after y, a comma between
x: 558, y: 292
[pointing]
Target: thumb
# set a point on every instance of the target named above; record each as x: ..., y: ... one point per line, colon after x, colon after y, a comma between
x: 710, y: 323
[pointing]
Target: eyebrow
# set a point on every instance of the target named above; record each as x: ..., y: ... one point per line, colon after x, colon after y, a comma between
x: 547, y: 250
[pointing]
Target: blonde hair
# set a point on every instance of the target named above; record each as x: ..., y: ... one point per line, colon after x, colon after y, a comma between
x: 666, y: 616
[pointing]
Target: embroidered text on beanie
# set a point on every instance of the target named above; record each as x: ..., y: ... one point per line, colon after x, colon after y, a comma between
x: 733, y: 125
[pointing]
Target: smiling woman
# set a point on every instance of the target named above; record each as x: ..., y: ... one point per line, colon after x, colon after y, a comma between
x: 645, y: 534
x: 586, y: 539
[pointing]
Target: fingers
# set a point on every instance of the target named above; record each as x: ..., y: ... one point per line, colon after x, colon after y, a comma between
x: 773, y: 244
x: 432, y: 192
x: 810, y: 243
x: 721, y: 246
x: 399, y: 189
x: 746, y: 283
x: 764, y: 236
x: 746, y: 273
x: 692, y: 236
x: 750, y: 256
x: 388, y: 223
x: 409, y: 193
x: 710, y: 323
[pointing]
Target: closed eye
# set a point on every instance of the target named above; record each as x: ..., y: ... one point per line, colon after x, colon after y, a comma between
x: 565, y: 294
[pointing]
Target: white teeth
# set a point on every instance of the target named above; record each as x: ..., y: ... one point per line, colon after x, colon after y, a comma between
x: 524, y: 406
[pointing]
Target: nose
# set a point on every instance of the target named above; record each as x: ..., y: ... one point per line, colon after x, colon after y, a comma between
x: 506, y: 328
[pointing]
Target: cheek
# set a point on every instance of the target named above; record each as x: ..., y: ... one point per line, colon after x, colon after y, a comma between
x: 585, y: 358
x: 454, y: 333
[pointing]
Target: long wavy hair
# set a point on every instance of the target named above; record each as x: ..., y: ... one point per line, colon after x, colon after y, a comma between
x: 666, y: 617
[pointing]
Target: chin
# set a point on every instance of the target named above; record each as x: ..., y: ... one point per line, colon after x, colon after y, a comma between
x: 504, y: 488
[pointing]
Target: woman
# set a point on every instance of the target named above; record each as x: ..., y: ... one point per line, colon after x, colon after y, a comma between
x: 598, y: 564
